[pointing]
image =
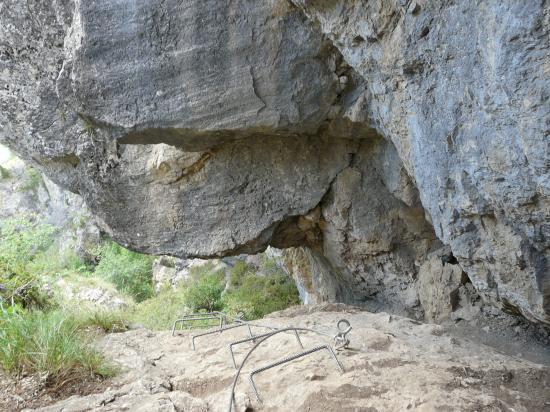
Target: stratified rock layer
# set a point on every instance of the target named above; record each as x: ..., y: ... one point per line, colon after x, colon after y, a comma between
x: 203, y: 129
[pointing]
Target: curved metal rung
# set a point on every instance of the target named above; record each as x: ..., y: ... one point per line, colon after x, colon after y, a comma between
x: 290, y: 359
x: 200, y: 316
x: 260, y: 342
x: 232, y: 344
x: 220, y: 331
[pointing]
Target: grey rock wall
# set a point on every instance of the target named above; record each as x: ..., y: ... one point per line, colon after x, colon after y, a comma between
x: 460, y: 89
x: 26, y: 193
x: 369, y: 132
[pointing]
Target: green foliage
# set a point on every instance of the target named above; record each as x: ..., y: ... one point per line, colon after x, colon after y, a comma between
x: 106, y: 320
x: 256, y: 296
x: 238, y: 273
x: 21, y: 288
x: 269, y: 266
x: 129, y: 271
x: 52, y: 342
x: 158, y: 312
x: 54, y: 263
x: 4, y: 173
x: 249, y: 293
x: 32, y: 182
x: 21, y: 240
x: 205, y: 292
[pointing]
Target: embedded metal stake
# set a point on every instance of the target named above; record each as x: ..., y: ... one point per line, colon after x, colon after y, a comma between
x: 230, y: 346
x: 340, y: 340
x: 290, y: 359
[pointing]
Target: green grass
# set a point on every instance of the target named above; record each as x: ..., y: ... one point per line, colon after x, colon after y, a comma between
x: 107, y: 320
x: 256, y: 296
x: 129, y: 271
x: 52, y: 262
x: 158, y: 312
x: 21, y: 240
x: 54, y: 342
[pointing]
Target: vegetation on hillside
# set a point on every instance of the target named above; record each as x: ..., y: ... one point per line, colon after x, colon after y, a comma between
x: 52, y: 341
x: 256, y: 296
x: 129, y: 271
x: 40, y: 332
x: 21, y: 241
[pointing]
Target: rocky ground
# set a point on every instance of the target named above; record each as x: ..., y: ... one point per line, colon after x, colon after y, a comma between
x: 393, y: 364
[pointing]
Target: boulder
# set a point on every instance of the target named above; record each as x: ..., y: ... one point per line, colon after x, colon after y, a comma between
x: 370, y: 133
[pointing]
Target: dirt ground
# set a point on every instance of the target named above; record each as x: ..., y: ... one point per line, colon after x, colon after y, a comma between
x: 393, y: 364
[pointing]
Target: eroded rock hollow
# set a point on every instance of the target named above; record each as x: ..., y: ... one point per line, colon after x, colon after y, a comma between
x: 382, y: 137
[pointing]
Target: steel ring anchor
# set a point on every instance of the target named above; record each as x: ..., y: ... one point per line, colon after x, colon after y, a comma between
x: 340, y: 340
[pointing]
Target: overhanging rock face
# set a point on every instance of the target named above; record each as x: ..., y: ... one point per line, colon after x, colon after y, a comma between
x: 370, y: 132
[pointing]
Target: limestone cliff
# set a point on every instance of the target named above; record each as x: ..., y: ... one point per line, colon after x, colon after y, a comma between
x: 372, y: 133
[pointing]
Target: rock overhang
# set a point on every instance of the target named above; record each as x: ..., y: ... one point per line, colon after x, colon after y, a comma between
x: 263, y: 107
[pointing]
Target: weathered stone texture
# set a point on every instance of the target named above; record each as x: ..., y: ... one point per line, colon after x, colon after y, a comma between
x: 209, y: 128
x: 460, y: 88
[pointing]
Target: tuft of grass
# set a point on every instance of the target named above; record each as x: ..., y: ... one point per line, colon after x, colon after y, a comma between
x: 106, y: 320
x: 130, y: 272
x: 159, y: 312
x: 52, y: 342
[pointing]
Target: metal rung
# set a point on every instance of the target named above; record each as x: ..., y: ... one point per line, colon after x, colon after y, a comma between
x: 232, y: 344
x: 289, y: 359
x: 222, y: 330
x: 200, y: 316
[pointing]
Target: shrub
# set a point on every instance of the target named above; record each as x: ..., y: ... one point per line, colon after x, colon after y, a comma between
x: 205, y: 291
x: 238, y: 273
x: 256, y: 296
x: 51, y: 342
x: 129, y: 271
x: 21, y: 288
x: 52, y: 262
x: 21, y: 240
